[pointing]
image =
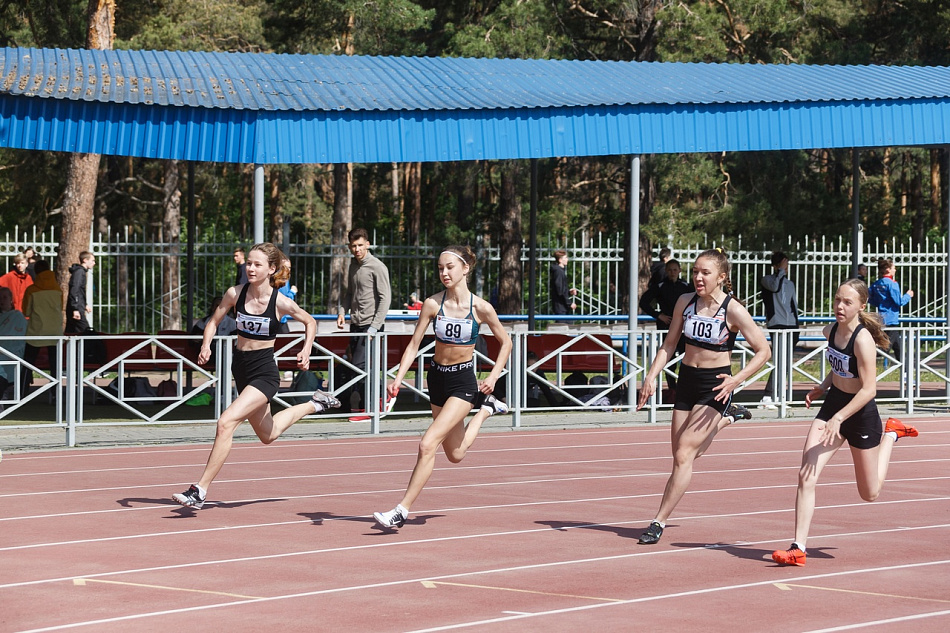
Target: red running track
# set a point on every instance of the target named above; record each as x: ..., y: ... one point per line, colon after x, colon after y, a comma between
x: 534, y: 531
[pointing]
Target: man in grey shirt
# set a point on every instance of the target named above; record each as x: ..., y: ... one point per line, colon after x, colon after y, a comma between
x: 781, y: 309
x: 367, y: 298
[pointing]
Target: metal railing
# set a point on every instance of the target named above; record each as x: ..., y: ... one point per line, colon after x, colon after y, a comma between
x: 129, y: 290
x: 576, y: 369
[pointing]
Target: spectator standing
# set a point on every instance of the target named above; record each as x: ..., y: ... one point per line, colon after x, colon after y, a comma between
x: 562, y: 295
x: 862, y: 273
x: 43, y: 307
x: 885, y: 295
x: 367, y: 299
x: 658, y: 268
x: 12, y: 323
x: 76, y: 306
x: 30, y: 255
x: 781, y: 311
x: 414, y: 303
x: 17, y: 280
x: 241, y: 263
x: 664, y: 296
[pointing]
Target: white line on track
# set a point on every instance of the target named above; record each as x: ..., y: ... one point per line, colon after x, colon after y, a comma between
x: 864, y: 625
x: 515, y: 449
x: 719, y: 443
x: 423, y: 541
x: 166, y: 506
x: 393, y: 583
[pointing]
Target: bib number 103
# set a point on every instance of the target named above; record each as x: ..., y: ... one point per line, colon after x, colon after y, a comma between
x: 702, y: 330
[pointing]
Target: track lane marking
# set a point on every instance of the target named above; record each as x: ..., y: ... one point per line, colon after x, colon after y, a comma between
x: 394, y: 583
x: 81, y: 582
x: 430, y: 584
x: 783, y: 585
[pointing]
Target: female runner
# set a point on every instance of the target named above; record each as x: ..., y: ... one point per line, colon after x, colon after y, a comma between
x: 849, y: 412
x: 259, y: 306
x: 453, y: 388
x: 709, y: 319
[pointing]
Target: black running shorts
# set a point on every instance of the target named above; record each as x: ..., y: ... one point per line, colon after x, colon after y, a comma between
x: 864, y: 429
x: 256, y: 368
x: 452, y: 381
x: 694, y: 386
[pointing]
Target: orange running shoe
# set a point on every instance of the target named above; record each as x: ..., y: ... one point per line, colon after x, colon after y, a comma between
x: 790, y: 556
x: 902, y: 430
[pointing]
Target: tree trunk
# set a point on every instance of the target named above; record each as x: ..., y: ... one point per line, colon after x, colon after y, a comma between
x: 414, y: 206
x: 276, y: 209
x: 342, y: 223
x: 511, y: 273
x: 936, y: 213
x: 83, y: 169
x: 171, y: 228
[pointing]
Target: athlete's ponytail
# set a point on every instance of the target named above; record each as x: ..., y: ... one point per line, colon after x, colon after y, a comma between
x: 872, y: 322
x: 722, y: 263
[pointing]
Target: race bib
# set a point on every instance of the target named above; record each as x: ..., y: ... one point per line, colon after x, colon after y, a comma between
x: 449, y: 330
x: 253, y: 324
x: 840, y: 363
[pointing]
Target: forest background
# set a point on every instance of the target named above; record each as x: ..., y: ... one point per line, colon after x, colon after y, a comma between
x: 764, y: 196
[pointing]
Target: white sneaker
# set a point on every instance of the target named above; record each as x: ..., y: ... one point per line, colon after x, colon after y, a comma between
x: 766, y: 403
x: 392, y: 519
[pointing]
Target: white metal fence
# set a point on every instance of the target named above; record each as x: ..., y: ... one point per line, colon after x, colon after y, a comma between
x: 128, y: 278
x: 578, y: 370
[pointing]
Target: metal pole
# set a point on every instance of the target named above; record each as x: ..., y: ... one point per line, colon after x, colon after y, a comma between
x: 258, y: 204
x: 533, y: 245
x: 855, y: 210
x: 633, y: 283
x: 190, y: 253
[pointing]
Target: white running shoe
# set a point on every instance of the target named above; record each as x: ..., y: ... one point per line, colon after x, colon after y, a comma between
x: 494, y: 405
x: 323, y: 401
x: 392, y: 519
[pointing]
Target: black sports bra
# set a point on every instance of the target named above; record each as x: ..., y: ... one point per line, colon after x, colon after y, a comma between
x: 707, y: 332
x: 260, y: 327
x: 843, y: 361
x: 456, y: 331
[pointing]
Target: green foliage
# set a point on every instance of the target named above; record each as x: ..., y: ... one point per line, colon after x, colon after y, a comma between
x: 197, y: 25
x: 765, y: 195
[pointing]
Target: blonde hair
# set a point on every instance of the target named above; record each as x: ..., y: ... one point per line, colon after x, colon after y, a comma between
x: 872, y: 322
x: 722, y: 263
x: 277, y: 259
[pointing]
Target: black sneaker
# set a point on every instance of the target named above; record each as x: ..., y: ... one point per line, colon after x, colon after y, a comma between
x: 494, y: 405
x: 652, y: 535
x: 392, y: 519
x: 737, y: 412
x: 190, y: 498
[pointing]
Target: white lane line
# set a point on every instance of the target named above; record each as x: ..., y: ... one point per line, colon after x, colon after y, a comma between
x: 864, y: 625
x: 423, y: 541
x: 419, y: 580
x: 166, y: 506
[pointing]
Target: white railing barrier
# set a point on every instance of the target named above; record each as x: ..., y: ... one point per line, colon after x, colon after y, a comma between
x: 592, y: 370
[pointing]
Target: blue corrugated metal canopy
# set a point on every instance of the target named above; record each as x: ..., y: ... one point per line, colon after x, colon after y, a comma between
x: 266, y: 108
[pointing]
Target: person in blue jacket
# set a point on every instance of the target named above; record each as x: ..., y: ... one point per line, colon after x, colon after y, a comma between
x: 885, y: 295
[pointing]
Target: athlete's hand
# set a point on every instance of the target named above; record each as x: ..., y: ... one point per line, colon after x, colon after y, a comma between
x: 487, y: 386
x: 647, y: 389
x: 204, y: 355
x: 726, y: 387
x: 832, y: 430
x: 813, y: 395
x: 393, y: 389
x: 303, y: 360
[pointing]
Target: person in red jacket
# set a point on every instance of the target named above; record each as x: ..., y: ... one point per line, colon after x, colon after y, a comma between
x: 17, y: 280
